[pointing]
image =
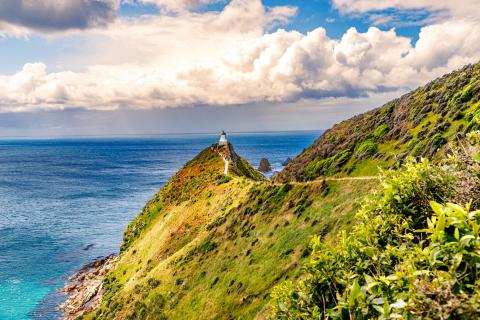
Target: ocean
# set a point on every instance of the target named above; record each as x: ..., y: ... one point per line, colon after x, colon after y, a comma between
x: 66, y: 202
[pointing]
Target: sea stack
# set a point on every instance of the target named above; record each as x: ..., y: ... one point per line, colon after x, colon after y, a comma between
x: 264, y: 166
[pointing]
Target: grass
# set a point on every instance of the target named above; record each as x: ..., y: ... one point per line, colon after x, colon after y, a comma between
x: 219, y: 256
x: 440, y: 107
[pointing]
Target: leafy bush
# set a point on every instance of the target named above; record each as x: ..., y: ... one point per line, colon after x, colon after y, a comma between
x: 207, y: 245
x: 327, y: 166
x: 419, y: 148
x: 284, y: 189
x: 366, y: 148
x: 466, y: 94
x: 381, y: 131
x: 412, y: 143
x: 221, y: 179
x: 153, y: 283
x: 407, y: 257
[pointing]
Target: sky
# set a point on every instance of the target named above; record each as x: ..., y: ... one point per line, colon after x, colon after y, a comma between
x: 115, y: 67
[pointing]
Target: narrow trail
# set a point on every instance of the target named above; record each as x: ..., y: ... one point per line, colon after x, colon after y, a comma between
x: 225, y: 170
x: 320, y: 180
x: 350, y: 178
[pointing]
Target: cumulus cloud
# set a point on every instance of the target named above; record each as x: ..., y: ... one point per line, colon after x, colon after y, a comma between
x: 228, y: 58
x: 55, y: 15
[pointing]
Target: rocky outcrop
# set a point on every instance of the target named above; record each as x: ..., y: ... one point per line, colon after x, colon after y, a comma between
x: 287, y: 161
x: 85, y: 288
x: 264, y: 166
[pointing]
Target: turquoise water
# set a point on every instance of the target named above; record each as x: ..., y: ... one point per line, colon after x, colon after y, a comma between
x: 66, y: 202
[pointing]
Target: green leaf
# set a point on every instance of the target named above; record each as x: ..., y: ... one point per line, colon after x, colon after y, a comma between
x: 379, y: 309
x: 386, y: 309
x: 378, y: 301
x: 354, y: 293
x: 436, y: 207
x: 441, y: 223
x: 465, y: 240
x: 392, y: 277
x: 457, y: 259
x: 456, y: 208
x: 369, y: 279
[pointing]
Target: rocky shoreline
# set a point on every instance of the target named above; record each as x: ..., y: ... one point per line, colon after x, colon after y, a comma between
x: 84, y: 289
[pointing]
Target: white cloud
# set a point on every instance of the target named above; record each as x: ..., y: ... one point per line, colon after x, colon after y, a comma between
x: 435, y: 10
x: 227, y: 58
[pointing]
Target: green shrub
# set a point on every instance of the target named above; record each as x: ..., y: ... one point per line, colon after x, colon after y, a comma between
x: 466, y: 94
x: 221, y: 179
x: 366, y: 148
x: 207, y: 245
x: 408, y: 257
x: 328, y: 166
x: 284, y: 189
x: 153, y: 283
x: 412, y: 143
x: 381, y: 131
x: 419, y: 148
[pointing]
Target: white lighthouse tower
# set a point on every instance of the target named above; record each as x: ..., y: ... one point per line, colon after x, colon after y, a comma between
x: 223, y: 139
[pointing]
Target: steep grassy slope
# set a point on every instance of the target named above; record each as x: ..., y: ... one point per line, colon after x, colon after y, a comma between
x: 199, y: 174
x: 417, y: 124
x: 209, y: 246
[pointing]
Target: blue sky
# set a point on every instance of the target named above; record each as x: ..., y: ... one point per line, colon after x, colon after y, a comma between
x: 87, y: 66
x: 311, y: 14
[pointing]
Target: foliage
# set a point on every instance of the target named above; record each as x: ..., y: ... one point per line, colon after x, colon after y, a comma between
x: 366, y: 148
x: 403, y: 127
x: 380, y: 131
x: 466, y: 94
x: 327, y: 166
x: 408, y: 257
x: 221, y: 179
x: 207, y: 245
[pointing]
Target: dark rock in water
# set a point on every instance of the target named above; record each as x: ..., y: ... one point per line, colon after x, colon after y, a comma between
x: 264, y: 166
x: 287, y: 161
x: 90, y: 246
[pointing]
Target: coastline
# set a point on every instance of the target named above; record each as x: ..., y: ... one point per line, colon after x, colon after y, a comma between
x: 84, y: 289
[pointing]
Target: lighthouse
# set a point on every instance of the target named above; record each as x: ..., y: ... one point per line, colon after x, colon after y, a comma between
x: 223, y: 139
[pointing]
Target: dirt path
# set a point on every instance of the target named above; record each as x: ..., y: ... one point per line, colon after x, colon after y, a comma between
x: 351, y: 178
x: 319, y: 180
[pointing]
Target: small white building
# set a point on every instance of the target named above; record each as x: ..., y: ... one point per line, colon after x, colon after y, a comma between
x: 223, y: 139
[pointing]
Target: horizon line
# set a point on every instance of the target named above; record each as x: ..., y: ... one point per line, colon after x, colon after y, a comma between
x: 126, y: 135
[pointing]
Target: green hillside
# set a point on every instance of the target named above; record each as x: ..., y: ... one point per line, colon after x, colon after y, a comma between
x: 208, y: 246
x: 419, y: 123
x: 414, y: 252
x: 212, y: 246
